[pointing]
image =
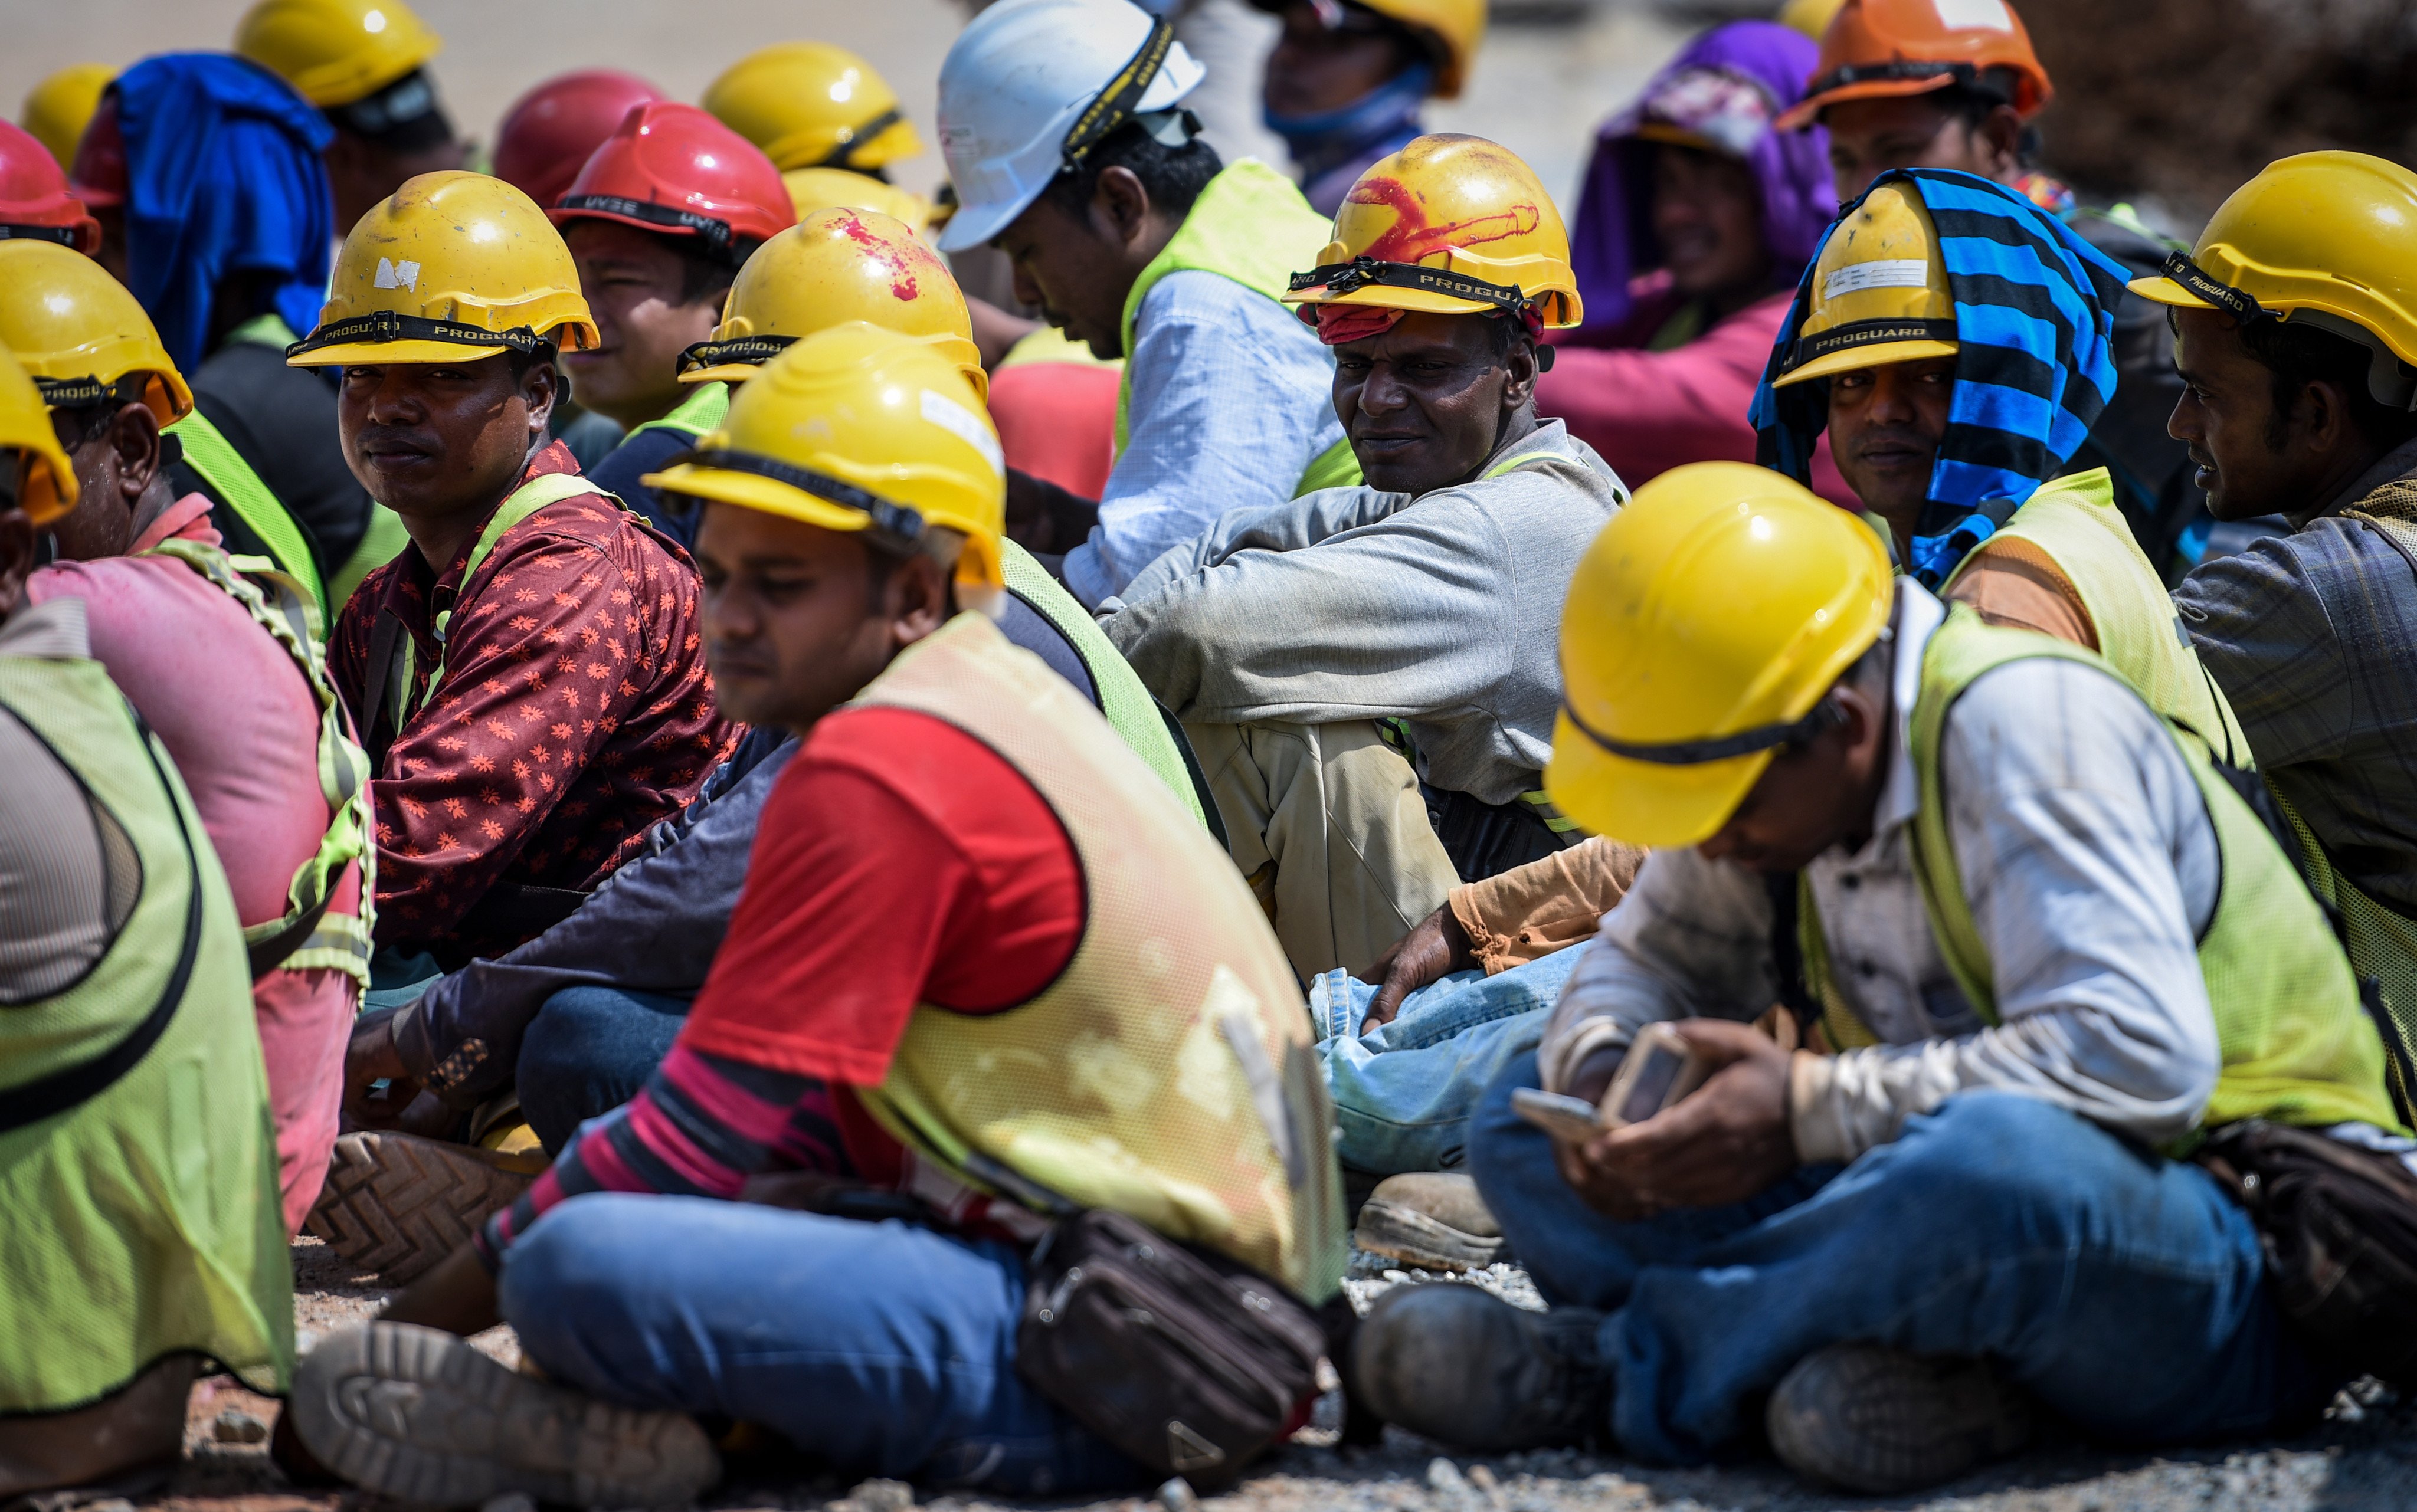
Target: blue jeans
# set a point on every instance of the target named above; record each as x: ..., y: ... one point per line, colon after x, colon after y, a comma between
x: 882, y: 1348
x: 587, y: 1051
x: 1403, y: 1091
x: 2123, y: 1289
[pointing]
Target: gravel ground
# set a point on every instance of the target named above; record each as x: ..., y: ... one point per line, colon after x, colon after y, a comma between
x: 2362, y: 1459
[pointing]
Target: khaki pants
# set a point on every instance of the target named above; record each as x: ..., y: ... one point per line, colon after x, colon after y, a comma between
x: 1326, y: 822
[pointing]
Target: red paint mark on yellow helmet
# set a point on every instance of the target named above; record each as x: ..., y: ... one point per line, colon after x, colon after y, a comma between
x: 1412, y: 238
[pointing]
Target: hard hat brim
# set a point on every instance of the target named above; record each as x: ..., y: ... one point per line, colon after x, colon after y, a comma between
x: 739, y: 372
x: 812, y: 148
x: 2158, y: 289
x: 978, y: 563
x: 1807, y: 112
x: 373, y: 353
x: 974, y: 225
x: 1644, y: 802
x: 1878, y: 355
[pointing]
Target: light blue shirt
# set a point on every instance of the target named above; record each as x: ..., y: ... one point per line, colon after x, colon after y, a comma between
x: 1233, y: 397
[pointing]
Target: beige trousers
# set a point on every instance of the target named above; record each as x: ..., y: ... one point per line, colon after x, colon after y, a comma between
x: 1326, y: 822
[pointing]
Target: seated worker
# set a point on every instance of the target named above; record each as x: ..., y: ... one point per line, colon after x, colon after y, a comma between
x: 58, y: 109
x: 219, y: 658
x: 2062, y: 945
x: 541, y: 143
x: 660, y: 220
x: 824, y: 116
x: 35, y: 203
x: 2293, y: 337
x: 526, y: 678
x: 226, y: 236
x: 143, y: 1236
x: 1347, y: 81
x: 954, y: 801
x: 1913, y: 84
x: 575, y: 1020
x: 1065, y: 133
x: 362, y: 63
x: 1696, y: 219
x: 1286, y: 632
x: 1884, y: 370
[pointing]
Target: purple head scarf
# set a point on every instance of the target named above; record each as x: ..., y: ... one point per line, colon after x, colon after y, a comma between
x: 1727, y: 86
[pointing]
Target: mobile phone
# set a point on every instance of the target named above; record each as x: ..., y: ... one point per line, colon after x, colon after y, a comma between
x: 1569, y: 1118
x: 1660, y: 1070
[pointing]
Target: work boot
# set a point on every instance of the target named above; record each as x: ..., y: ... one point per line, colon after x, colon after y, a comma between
x: 419, y: 1415
x: 1869, y: 1419
x: 397, y: 1204
x: 1467, y: 1369
x: 1433, y: 1219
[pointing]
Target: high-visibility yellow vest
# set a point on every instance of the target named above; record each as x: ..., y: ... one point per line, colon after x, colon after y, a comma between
x: 312, y: 933
x: 1167, y: 1073
x: 143, y: 1217
x: 1250, y: 224
x: 2297, y: 1045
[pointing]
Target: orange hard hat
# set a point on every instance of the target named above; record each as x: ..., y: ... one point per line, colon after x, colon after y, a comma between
x: 35, y: 204
x: 1879, y: 48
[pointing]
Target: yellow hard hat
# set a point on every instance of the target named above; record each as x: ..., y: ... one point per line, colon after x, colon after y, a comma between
x: 48, y: 483
x: 58, y: 109
x: 1879, y: 292
x: 80, y: 335
x: 454, y: 267
x: 2325, y: 237
x: 826, y: 189
x: 1455, y: 27
x: 335, y: 52
x: 831, y: 267
x: 813, y: 105
x: 1453, y: 225
x: 860, y: 429
x: 1702, y: 628
x: 1811, y: 16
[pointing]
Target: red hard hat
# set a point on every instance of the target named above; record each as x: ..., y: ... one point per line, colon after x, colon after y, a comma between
x: 673, y: 169
x: 99, y: 176
x: 553, y: 128
x: 34, y: 200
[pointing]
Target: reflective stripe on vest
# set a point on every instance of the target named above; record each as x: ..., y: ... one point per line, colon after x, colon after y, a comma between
x: 702, y: 412
x: 233, y: 480
x: 1167, y: 1071
x: 2072, y: 526
x: 144, y: 1221
x: 2297, y: 1045
x: 1250, y: 224
x: 307, y: 935
x: 1131, y: 712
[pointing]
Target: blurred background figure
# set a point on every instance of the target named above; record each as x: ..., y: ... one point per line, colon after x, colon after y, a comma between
x: 1348, y: 79
x: 97, y: 177
x: 58, y: 109
x: 828, y: 121
x: 544, y: 140
x: 1697, y: 217
x: 361, y: 63
x: 35, y: 201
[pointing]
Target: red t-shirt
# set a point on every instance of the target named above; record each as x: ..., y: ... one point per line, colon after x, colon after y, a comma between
x: 899, y: 861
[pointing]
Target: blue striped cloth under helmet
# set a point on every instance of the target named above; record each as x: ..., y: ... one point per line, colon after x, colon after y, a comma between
x: 2035, y: 366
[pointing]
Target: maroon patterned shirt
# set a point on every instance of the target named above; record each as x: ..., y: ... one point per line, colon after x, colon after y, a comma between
x: 574, y: 712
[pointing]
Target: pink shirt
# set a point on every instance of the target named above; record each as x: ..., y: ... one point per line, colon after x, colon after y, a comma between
x: 224, y: 697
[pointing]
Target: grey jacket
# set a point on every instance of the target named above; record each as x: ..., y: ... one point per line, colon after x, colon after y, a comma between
x: 1443, y: 610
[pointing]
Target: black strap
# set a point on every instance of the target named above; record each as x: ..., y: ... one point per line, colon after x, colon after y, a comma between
x: 844, y: 154
x: 2232, y: 301
x: 1114, y: 103
x: 1719, y: 747
x: 64, y: 235
x: 74, y: 1085
x: 1894, y: 70
x: 265, y: 956
x: 386, y: 639
x: 1361, y: 272
x: 716, y: 233
x: 75, y: 393
x: 747, y: 351
x: 390, y: 325
x: 894, y: 526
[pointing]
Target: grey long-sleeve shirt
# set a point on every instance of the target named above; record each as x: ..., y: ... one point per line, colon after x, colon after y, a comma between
x: 1443, y: 610
x: 2091, y: 866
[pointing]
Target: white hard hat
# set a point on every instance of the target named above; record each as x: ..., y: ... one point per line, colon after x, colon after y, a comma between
x: 1020, y: 79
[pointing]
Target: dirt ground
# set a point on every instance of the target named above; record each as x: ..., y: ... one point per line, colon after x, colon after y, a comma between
x: 2362, y: 1459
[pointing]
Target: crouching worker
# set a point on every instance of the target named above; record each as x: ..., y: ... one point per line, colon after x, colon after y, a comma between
x: 1428, y: 598
x: 526, y: 677
x: 2053, y: 943
x: 136, y: 1166
x: 961, y: 868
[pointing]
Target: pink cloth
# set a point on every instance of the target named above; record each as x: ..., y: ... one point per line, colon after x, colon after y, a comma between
x: 1057, y: 421
x: 238, y: 717
x: 1648, y: 411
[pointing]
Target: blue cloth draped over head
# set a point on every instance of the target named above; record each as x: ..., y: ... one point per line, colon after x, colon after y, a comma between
x: 223, y: 177
x: 2034, y: 367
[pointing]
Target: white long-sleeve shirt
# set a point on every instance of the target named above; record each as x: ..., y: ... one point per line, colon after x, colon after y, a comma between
x: 2091, y: 866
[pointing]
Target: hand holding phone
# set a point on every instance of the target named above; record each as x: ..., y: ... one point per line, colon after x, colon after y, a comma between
x: 1573, y: 1119
x: 1660, y: 1070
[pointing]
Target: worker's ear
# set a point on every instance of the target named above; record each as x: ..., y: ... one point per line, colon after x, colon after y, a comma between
x: 1120, y: 205
x: 920, y: 601
x: 2000, y: 139
x: 540, y: 386
x: 134, y: 438
x: 1520, y: 369
x: 2319, y: 424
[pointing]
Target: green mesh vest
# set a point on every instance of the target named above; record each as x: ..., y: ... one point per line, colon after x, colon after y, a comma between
x: 142, y: 1221
x: 1250, y: 225
x: 2297, y: 1045
x: 703, y: 410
